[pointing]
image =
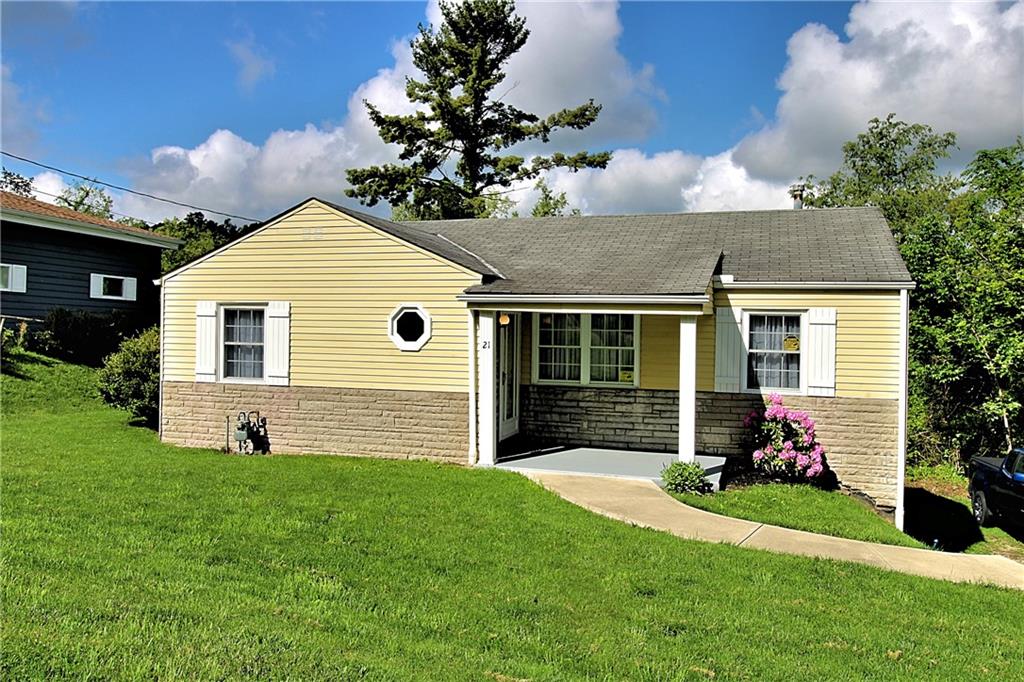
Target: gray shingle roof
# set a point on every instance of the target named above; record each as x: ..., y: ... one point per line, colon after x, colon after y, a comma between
x: 660, y: 254
x: 677, y: 253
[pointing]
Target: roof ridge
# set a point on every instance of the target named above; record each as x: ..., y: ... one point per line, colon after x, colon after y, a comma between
x: 787, y: 211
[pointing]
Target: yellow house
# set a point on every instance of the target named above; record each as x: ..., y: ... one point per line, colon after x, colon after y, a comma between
x: 494, y: 342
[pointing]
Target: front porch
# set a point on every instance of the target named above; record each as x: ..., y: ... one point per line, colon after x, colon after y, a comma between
x: 595, y: 416
x: 589, y: 461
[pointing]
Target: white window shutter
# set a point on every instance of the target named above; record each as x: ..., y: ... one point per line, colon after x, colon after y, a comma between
x: 19, y: 279
x: 728, y: 349
x: 821, y: 352
x: 95, y: 286
x: 206, y: 341
x: 277, y: 342
x: 129, y: 288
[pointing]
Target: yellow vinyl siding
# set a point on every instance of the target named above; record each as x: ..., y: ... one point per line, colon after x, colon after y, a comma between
x: 867, y: 340
x: 343, y: 279
x: 867, y: 334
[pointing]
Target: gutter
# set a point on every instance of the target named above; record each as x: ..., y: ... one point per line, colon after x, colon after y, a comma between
x: 89, y: 229
x: 695, y: 299
x: 727, y: 282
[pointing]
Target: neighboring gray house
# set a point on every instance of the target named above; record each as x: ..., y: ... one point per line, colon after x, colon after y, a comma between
x: 53, y: 257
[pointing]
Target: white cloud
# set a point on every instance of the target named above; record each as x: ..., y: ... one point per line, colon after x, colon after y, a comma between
x: 722, y: 185
x: 633, y: 182
x: 19, y: 118
x: 47, y: 186
x: 253, y: 65
x: 953, y: 65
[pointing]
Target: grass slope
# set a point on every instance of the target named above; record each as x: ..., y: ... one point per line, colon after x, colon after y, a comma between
x: 127, y: 558
x: 803, y: 508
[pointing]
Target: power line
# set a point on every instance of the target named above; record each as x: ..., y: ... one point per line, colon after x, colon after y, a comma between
x: 125, y: 189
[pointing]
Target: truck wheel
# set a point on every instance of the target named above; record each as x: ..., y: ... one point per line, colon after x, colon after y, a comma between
x: 980, y: 507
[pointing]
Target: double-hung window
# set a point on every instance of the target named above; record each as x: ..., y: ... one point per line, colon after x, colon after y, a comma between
x: 574, y: 348
x: 243, y: 343
x: 773, y: 351
x: 612, y: 349
x: 560, y: 347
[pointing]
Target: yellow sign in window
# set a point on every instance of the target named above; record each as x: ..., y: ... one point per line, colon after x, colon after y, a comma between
x: 625, y: 376
x: 791, y: 343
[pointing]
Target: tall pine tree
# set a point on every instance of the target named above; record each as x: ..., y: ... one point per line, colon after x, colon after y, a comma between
x: 453, y: 161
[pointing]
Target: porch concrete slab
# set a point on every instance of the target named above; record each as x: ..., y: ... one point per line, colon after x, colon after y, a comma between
x: 629, y: 464
x: 643, y: 503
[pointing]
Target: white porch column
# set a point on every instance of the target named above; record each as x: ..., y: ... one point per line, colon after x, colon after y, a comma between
x: 487, y: 390
x: 687, y: 388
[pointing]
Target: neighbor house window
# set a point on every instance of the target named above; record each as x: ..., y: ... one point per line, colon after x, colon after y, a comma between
x: 612, y: 349
x: 559, y: 347
x: 578, y: 348
x: 12, y: 277
x: 773, y: 351
x: 243, y: 343
x: 112, y: 287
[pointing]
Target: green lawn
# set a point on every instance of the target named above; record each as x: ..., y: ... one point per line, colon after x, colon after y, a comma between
x: 804, y: 508
x: 126, y: 558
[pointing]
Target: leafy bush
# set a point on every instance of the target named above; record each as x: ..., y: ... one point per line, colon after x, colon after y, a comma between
x: 130, y: 378
x: 84, y: 337
x: 8, y: 342
x: 685, y: 477
x: 786, y: 447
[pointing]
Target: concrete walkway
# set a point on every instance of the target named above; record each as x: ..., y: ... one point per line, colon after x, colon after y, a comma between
x: 643, y: 503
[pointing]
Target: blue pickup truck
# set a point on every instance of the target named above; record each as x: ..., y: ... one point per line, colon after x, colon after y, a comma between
x: 997, y: 488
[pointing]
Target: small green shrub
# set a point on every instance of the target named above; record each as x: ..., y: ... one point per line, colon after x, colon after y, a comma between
x: 130, y: 378
x: 8, y: 342
x: 685, y: 477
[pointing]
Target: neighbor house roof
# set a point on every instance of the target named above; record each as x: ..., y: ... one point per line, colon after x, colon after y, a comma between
x: 17, y: 208
x: 677, y: 253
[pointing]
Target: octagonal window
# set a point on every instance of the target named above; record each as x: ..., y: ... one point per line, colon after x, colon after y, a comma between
x: 409, y: 327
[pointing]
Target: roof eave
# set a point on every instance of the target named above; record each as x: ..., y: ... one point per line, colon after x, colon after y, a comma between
x: 727, y: 282
x: 673, y: 299
x: 90, y: 229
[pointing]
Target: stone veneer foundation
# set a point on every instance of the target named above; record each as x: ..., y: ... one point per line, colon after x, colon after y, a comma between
x: 301, y: 419
x: 859, y: 434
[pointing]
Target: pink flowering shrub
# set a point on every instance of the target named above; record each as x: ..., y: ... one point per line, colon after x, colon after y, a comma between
x: 785, y: 443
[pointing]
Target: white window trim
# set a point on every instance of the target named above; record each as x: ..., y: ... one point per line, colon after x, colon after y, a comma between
x: 221, y: 377
x: 585, y: 328
x: 124, y: 282
x: 402, y: 344
x: 11, y: 268
x: 745, y: 332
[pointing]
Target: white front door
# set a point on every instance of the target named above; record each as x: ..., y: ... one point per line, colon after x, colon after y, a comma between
x: 508, y: 375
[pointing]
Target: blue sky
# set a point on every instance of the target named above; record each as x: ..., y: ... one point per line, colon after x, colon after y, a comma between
x: 96, y: 87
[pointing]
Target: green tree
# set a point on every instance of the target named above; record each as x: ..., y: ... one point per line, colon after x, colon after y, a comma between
x: 86, y: 197
x: 551, y: 203
x: 961, y: 239
x: 452, y: 159
x: 15, y: 183
x: 968, y: 334
x: 891, y: 165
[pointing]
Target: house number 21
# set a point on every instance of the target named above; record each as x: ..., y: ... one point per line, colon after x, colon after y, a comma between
x: 484, y: 345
